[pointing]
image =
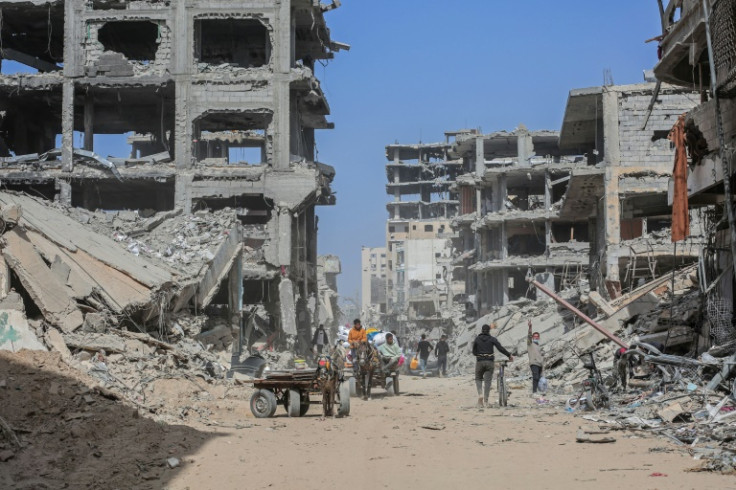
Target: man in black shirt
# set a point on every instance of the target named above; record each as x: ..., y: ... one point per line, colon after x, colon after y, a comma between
x: 483, y: 351
x: 424, y: 348
x: 440, y: 351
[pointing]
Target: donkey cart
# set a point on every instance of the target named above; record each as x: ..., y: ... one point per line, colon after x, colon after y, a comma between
x: 292, y: 389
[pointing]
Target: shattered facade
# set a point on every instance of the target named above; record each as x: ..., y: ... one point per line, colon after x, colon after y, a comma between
x: 373, y: 282
x: 585, y: 207
x: 510, y: 225
x: 624, y: 129
x: 710, y: 134
x: 421, y: 284
x: 217, y: 105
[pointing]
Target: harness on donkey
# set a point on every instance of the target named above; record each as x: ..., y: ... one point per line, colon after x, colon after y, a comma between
x: 369, y: 362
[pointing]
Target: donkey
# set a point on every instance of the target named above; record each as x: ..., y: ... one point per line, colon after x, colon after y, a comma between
x: 369, y: 361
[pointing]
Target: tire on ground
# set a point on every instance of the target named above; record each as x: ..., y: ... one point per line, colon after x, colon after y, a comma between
x: 263, y: 404
x: 293, y: 403
x: 343, y: 408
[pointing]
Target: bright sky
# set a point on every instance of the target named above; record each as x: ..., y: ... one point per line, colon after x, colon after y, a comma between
x: 418, y: 68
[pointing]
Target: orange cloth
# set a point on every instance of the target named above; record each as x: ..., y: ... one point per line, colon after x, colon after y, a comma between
x: 680, y: 213
x: 357, y: 335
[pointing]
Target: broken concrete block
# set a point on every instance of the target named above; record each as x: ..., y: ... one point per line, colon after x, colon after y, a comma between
x: 670, y: 412
x: 55, y: 342
x: 13, y: 301
x: 47, y: 292
x: 288, y: 307
x: 16, y: 333
x: 95, y: 322
x: 95, y: 342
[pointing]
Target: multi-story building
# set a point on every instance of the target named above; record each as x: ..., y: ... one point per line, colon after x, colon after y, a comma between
x: 373, y: 281
x: 587, y: 205
x: 624, y: 195
x: 215, y: 104
x: 510, y: 225
x: 421, y: 283
x: 698, y: 50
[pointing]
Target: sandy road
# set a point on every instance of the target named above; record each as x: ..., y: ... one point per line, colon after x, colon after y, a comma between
x: 383, y: 444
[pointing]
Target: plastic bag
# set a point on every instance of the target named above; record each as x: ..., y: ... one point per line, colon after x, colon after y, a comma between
x: 542, y: 385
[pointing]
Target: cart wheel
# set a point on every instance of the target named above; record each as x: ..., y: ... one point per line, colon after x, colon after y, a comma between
x: 343, y: 409
x: 353, y: 388
x: 396, y: 384
x: 293, y: 403
x: 303, y: 404
x: 263, y: 404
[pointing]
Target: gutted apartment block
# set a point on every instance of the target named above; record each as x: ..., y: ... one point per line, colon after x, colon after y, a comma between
x: 196, y: 106
x: 585, y: 207
x: 420, y: 283
x: 625, y: 193
x: 510, y: 225
x: 688, y: 28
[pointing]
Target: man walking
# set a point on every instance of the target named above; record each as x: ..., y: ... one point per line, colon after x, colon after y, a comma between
x: 319, y: 339
x: 536, y: 360
x: 424, y: 348
x: 483, y: 346
x: 440, y: 351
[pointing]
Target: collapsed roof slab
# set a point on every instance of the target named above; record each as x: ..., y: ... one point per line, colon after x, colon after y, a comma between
x: 585, y: 187
x: 72, y: 235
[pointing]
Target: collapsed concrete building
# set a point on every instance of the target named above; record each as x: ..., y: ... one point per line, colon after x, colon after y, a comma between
x: 215, y: 106
x: 509, y: 224
x: 697, y: 49
x: 421, y: 286
x: 583, y: 207
x: 625, y: 129
x: 373, y: 283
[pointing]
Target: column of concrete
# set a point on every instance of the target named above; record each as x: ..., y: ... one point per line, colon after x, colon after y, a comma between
x: 480, y: 164
x: 283, y: 53
x: 182, y: 69
x: 524, y: 146
x: 612, y: 207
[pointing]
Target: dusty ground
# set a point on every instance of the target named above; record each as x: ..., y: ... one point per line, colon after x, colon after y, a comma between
x: 430, y: 437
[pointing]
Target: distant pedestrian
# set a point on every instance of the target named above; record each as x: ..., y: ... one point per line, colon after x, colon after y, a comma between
x: 536, y: 360
x: 319, y: 339
x: 440, y: 351
x: 483, y: 346
x: 424, y: 348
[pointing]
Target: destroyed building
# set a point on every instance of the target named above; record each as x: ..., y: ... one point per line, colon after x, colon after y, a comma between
x: 585, y: 206
x: 625, y: 129
x: 421, y: 285
x: 207, y: 108
x: 697, y: 49
x: 509, y: 224
x: 373, y: 283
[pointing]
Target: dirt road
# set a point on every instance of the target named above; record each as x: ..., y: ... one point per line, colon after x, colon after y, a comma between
x: 73, y: 436
x: 433, y: 437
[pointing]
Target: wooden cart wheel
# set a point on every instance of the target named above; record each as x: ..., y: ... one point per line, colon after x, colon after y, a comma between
x: 293, y: 402
x: 263, y: 404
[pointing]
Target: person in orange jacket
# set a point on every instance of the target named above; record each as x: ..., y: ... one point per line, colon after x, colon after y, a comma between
x: 356, y: 335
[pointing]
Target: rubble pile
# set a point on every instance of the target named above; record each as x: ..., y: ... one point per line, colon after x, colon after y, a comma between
x: 184, y: 242
x: 671, y: 390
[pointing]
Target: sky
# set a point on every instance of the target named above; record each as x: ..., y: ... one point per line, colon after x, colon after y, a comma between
x: 418, y: 68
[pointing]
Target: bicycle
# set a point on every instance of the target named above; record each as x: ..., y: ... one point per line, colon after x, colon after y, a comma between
x: 502, y: 394
x: 594, y: 388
